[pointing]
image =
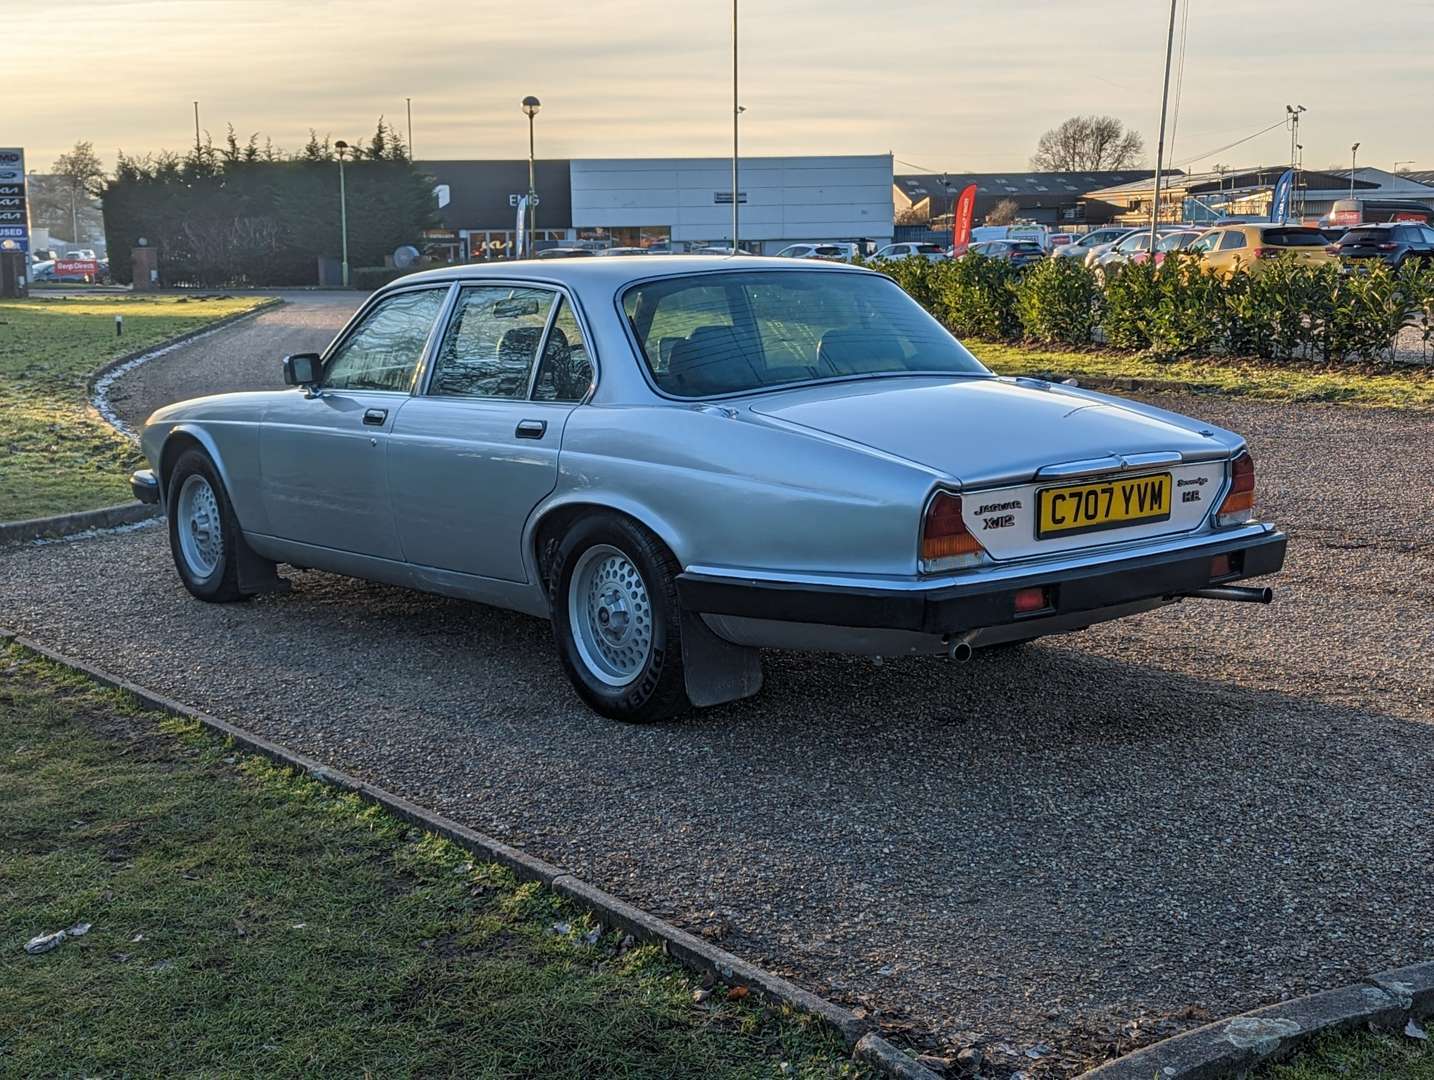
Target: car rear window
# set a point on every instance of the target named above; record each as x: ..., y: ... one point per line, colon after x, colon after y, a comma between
x: 1365, y: 236
x: 930, y: 249
x: 1294, y: 238
x: 1025, y: 246
x: 727, y: 333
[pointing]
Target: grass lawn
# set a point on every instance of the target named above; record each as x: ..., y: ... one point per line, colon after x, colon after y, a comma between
x: 56, y: 455
x: 1271, y: 380
x: 1360, y: 1057
x: 248, y: 921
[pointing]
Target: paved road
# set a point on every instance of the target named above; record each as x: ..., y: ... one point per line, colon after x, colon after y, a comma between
x: 1083, y: 842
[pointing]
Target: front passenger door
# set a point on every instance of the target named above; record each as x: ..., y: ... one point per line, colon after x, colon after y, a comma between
x: 472, y: 455
x: 323, y: 458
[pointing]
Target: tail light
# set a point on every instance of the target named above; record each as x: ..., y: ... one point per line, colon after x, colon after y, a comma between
x: 1331, y: 249
x: 945, y: 541
x: 1265, y: 252
x: 1388, y: 245
x: 1239, y: 504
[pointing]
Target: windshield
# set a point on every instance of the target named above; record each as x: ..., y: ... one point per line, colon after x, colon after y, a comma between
x: 729, y: 333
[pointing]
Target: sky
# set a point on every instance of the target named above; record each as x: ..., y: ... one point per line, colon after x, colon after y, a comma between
x: 954, y: 85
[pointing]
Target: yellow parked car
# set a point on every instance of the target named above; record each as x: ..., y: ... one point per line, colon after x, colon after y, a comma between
x: 1249, y: 244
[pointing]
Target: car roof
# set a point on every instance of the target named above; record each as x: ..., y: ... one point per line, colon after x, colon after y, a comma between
x: 611, y: 273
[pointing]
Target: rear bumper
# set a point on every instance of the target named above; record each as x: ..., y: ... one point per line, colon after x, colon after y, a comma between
x: 952, y: 608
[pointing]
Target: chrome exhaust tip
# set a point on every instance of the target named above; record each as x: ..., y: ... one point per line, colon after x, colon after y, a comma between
x: 959, y: 648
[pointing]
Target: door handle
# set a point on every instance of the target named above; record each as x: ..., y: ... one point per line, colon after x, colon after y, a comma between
x: 375, y: 417
x: 531, y: 429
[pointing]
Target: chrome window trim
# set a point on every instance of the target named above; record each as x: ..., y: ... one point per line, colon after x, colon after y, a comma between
x: 356, y: 320
x: 421, y: 387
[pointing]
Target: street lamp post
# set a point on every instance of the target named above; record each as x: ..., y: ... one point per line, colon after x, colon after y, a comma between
x: 342, y: 148
x: 531, y: 105
x: 1160, y: 141
x: 1353, y: 157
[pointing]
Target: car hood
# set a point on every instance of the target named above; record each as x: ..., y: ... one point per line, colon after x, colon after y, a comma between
x: 989, y: 431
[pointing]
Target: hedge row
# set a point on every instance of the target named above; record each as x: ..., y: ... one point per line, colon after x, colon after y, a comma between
x: 1289, y: 310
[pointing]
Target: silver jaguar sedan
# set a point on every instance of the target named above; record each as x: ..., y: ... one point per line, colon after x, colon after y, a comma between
x: 682, y: 461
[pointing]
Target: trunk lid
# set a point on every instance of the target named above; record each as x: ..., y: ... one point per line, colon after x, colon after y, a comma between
x: 985, y: 432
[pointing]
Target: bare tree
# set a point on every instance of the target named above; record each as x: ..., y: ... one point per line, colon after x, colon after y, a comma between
x: 81, y: 176
x: 1003, y: 213
x: 1088, y: 143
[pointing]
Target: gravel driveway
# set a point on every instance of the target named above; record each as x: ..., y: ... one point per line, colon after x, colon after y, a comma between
x: 1086, y: 842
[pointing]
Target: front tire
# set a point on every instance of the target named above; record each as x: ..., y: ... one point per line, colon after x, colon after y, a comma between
x: 613, y: 595
x: 203, y: 532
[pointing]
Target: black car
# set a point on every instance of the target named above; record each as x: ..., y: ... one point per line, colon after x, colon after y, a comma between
x: 1396, y: 242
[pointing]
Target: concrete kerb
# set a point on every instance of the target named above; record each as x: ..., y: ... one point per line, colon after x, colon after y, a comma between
x: 1383, y: 1002
x: 97, y: 389
x: 693, y: 952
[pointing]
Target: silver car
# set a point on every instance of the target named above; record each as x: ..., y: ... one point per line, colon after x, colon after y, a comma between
x: 683, y: 461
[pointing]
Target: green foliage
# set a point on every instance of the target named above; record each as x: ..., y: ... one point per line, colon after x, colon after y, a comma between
x: 243, y: 214
x: 976, y: 299
x: 1288, y: 310
x: 1058, y: 302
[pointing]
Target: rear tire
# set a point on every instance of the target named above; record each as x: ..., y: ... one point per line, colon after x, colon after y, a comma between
x: 612, y: 591
x: 203, y: 532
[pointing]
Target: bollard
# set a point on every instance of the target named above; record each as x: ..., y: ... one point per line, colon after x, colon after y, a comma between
x: 119, y: 326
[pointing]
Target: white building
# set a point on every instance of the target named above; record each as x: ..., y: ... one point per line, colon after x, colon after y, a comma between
x: 687, y: 202
x: 674, y: 204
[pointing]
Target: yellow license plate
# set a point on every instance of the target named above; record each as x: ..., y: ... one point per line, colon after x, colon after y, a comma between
x: 1110, y: 504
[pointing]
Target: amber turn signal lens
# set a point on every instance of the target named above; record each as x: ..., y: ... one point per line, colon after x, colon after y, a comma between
x: 1239, y: 504
x: 944, y: 535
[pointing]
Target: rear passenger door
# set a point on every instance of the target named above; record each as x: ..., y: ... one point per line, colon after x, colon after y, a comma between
x: 476, y: 450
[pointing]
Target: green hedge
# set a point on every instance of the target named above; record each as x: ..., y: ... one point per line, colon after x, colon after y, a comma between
x: 1290, y: 310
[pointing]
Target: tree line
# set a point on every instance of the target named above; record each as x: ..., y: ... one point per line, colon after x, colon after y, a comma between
x: 246, y: 213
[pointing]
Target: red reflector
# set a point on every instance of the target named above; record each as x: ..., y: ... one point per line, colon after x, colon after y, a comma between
x: 1219, y: 567
x: 1032, y: 599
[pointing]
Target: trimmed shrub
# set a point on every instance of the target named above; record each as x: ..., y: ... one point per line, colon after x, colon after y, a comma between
x: 976, y: 299
x: 1058, y: 302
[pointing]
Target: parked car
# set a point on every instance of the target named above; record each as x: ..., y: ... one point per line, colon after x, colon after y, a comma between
x: 907, y: 250
x: 682, y: 461
x: 835, y: 250
x: 1081, y: 246
x: 1168, y: 242
x: 625, y: 251
x: 81, y: 253
x: 1060, y: 240
x: 566, y: 253
x: 1248, y: 245
x: 1396, y: 243
x: 1017, y: 252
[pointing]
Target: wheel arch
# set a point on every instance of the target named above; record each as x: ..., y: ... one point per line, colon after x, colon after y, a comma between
x: 184, y: 437
x: 552, y: 520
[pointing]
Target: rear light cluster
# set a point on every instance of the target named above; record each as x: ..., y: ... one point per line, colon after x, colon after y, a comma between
x: 1239, y: 504
x: 946, y: 543
x: 1265, y: 252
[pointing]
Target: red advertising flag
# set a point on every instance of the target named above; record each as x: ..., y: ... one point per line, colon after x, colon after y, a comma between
x: 961, y: 223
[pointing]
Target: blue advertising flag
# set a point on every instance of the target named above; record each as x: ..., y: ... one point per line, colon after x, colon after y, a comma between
x: 1280, y: 202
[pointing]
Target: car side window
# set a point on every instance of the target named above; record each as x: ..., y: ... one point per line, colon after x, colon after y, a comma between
x: 1232, y: 240
x: 1204, y: 243
x: 383, y: 352
x: 566, y: 370
x: 491, y: 342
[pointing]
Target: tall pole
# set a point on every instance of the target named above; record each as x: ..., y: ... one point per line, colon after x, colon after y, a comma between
x: 343, y: 214
x: 736, y: 112
x: 1353, y: 157
x: 532, y: 189
x: 409, y: 102
x: 196, y: 130
x: 1160, y: 142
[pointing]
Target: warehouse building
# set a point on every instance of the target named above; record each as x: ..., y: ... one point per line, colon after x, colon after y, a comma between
x: 663, y: 204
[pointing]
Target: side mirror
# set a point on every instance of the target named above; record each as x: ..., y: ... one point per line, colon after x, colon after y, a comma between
x: 303, y: 369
